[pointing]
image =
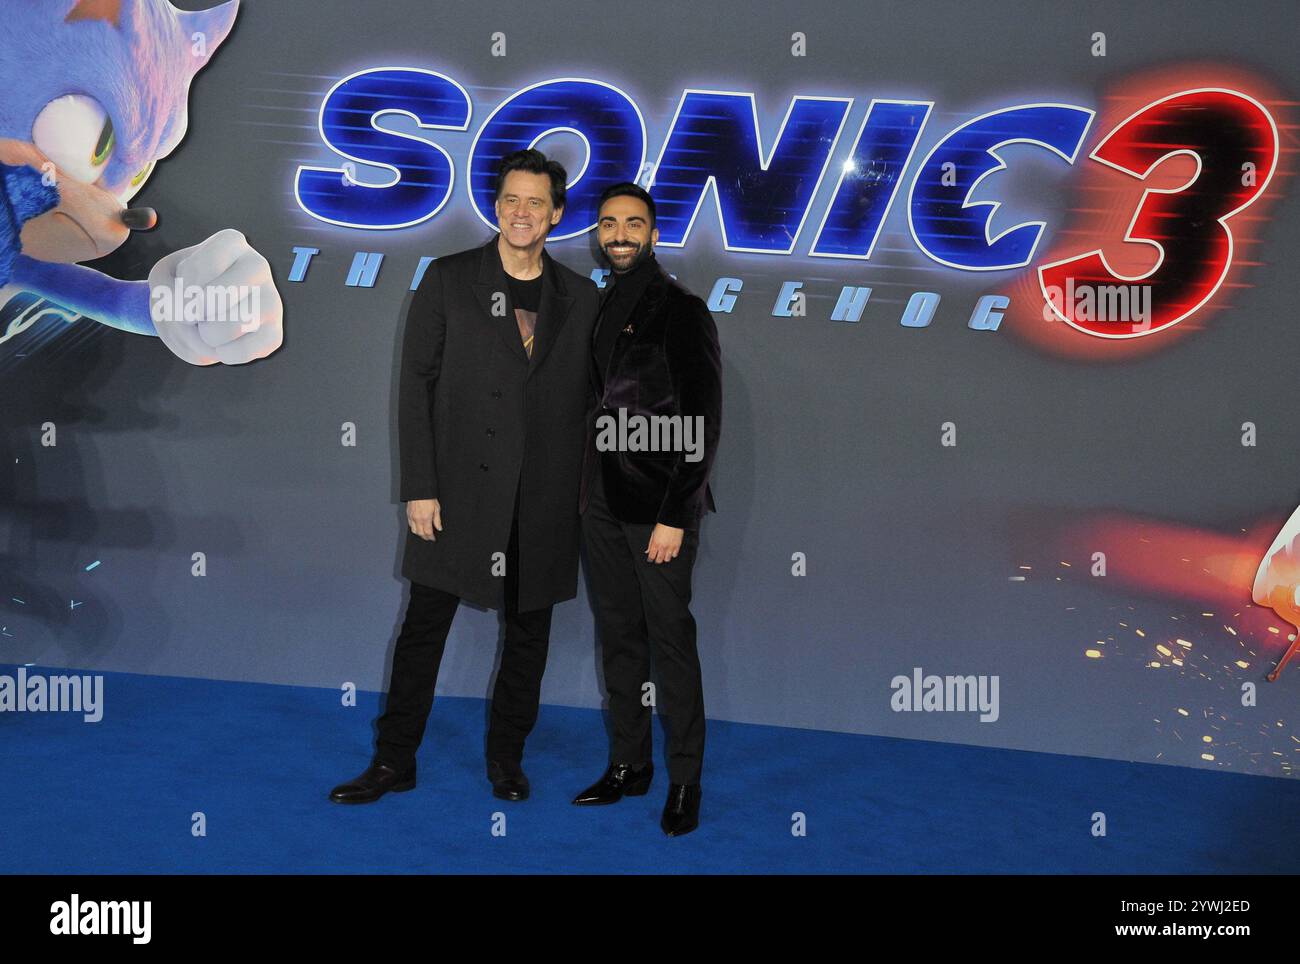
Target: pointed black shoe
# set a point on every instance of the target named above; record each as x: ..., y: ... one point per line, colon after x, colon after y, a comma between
x: 620, y: 780
x: 508, y: 780
x: 373, y: 784
x: 682, y: 810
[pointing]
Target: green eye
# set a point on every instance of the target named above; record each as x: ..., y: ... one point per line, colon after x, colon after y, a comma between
x: 104, y: 146
x: 144, y: 173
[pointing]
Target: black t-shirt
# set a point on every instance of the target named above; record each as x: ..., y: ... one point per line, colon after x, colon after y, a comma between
x: 525, y: 299
x: 526, y: 294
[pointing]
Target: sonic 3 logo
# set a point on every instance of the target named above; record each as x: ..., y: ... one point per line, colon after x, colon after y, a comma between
x: 763, y: 199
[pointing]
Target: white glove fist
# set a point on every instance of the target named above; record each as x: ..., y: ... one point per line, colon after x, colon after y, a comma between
x: 217, y: 302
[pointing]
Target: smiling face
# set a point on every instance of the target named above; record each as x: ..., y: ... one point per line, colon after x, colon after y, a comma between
x: 525, y: 214
x: 624, y: 232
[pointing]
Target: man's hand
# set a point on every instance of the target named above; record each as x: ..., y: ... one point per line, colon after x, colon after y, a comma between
x: 665, y: 543
x: 423, y: 516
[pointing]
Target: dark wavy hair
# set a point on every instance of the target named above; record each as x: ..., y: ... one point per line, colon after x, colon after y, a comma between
x: 534, y: 162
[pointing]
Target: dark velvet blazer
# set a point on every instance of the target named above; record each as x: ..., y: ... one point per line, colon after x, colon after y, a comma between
x: 671, y: 366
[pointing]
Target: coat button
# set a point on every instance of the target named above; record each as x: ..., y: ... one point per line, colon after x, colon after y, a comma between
x: 496, y: 393
x: 491, y: 433
x: 483, y: 466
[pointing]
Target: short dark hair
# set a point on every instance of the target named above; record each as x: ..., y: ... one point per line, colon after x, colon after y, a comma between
x: 628, y: 189
x: 533, y: 161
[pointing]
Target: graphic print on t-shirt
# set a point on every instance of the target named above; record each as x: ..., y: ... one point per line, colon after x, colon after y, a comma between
x: 525, y: 297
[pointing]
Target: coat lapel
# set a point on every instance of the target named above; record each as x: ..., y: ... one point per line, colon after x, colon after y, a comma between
x: 605, y: 296
x: 552, y: 311
x: 492, y: 281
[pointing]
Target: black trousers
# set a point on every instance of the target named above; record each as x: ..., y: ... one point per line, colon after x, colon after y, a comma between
x: 418, y: 655
x: 643, y: 609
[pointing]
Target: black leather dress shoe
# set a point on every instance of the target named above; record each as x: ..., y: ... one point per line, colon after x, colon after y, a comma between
x: 373, y: 784
x: 620, y: 780
x: 682, y: 810
x: 508, y: 780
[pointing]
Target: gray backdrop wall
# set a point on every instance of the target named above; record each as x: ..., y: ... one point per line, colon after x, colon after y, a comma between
x: 831, y: 431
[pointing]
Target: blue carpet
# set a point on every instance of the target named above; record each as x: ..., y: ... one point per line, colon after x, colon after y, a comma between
x: 257, y: 761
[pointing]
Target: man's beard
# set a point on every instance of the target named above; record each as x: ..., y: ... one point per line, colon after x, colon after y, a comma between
x: 642, y: 253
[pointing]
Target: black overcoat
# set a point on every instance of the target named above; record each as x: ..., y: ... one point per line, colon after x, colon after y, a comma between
x: 477, y: 418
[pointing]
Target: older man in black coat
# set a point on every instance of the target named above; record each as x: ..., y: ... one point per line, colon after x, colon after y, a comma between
x: 492, y: 412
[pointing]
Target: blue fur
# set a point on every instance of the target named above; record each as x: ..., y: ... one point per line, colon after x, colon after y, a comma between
x: 23, y: 195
